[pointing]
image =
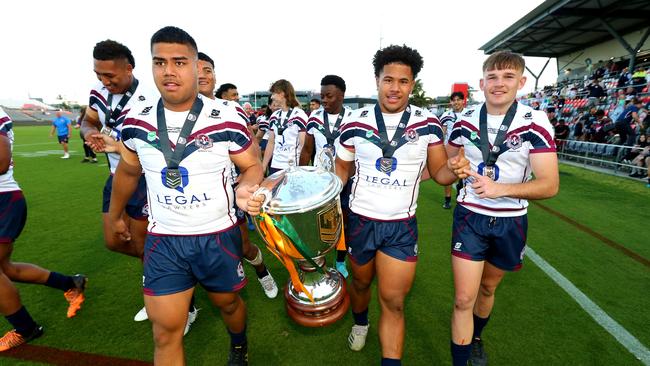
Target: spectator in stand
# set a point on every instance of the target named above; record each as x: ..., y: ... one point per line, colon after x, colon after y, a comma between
x: 561, y: 133
x: 596, y: 92
x: 600, y: 128
x: 639, y: 79
x: 624, y: 79
x: 624, y: 123
x: 578, y: 127
x: 600, y: 71
x: 638, y: 156
x: 573, y: 92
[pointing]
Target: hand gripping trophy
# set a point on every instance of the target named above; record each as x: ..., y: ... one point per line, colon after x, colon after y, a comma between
x: 300, y: 222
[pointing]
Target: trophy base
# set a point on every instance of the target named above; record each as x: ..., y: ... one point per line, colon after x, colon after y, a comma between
x: 320, y: 315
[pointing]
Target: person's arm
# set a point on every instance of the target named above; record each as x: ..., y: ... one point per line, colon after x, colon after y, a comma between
x: 90, y: 127
x: 69, y: 129
x: 545, y: 184
x: 307, y: 150
x: 251, y: 174
x: 344, y: 162
x: 300, y: 144
x: 125, y: 182
x: 5, y: 153
x: 268, y: 152
x: 52, y: 130
x: 446, y: 170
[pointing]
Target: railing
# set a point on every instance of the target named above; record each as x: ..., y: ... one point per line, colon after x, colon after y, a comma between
x: 606, y: 156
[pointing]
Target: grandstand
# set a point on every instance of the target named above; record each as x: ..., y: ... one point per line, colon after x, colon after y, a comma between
x: 575, y: 34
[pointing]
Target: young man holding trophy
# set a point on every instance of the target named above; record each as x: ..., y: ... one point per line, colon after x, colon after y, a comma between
x: 389, y: 144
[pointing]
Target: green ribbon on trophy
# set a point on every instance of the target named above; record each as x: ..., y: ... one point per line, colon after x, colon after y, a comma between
x: 285, y: 226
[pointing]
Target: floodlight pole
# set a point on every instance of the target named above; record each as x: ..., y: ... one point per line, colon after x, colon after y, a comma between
x: 540, y: 73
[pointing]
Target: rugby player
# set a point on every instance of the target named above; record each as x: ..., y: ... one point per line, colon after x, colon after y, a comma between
x: 186, y: 143
x: 390, y: 144
x: 447, y: 120
x: 13, y: 211
x: 506, y: 143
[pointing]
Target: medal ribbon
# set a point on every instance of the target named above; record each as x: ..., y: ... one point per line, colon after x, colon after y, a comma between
x: 489, y: 156
x: 111, y: 115
x: 388, y: 148
x: 331, y: 136
x: 174, y: 158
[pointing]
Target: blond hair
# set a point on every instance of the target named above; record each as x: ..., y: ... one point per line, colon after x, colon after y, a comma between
x: 502, y: 60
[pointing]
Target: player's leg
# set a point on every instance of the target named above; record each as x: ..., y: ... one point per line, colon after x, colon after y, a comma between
x: 395, y: 278
x: 253, y: 255
x: 447, y: 203
x: 168, y: 315
x: 233, y: 312
x: 25, y: 328
x: 467, y: 279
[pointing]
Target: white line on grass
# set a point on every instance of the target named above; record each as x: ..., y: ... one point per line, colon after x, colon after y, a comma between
x: 37, y: 143
x: 621, y: 334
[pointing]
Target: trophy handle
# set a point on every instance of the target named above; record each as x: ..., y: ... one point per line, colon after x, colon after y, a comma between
x: 328, y: 165
x: 267, y: 197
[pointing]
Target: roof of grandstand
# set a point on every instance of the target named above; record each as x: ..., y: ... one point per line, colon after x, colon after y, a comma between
x: 560, y: 27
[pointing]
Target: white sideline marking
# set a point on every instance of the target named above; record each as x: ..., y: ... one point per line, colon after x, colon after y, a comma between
x: 37, y: 154
x: 36, y: 144
x: 600, y: 316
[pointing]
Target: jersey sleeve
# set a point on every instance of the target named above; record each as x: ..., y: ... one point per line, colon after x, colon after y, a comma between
x: 5, y: 124
x: 128, y: 133
x: 541, y: 134
x: 299, y: 119
x: 456, y: 137
x: 240, y: 137
x: 436, y: 135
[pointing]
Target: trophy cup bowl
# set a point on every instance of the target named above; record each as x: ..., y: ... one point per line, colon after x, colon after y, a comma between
x: 301, y: 222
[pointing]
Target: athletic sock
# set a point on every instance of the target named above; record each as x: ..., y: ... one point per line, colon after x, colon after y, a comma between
x: 361, y: 318
x: 460, y: 354
x: 237, y: 339
x: 22, y: 322
x: 340, y: 255
x: 447, y: 199
x: 262, y: 274
x: 391, y: 361
x: 479, y: 324
x: 59, y: 281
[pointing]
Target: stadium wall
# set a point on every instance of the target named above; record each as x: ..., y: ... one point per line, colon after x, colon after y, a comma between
x: 602, y: 52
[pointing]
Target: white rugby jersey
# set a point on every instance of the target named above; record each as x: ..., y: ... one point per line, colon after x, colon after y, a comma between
x: 529, y: 133
x: 315, y: 126
x: 263, y: 125
x: 393, y: 195
x: 7, y: 182
x: 99, y: 103
x: 203, y: 203
x: 286, y: 144
x: 448, y: 119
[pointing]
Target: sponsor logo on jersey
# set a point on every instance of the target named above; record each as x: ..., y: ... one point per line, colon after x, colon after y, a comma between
x: 468, y: 113
x: 369, y: 134
x: 141, y: 98
x: 214, y: 113
x: 528, y: 115
x: 363, y: 114
x: 151, y: 136
x: 418, y: 113
x: 473, y: 135
x: 146, y: 111
x: 184, y: 178
x: 203, y: 142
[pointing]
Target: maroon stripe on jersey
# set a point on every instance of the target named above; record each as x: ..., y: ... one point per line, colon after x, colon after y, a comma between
x: 545, y: 150
x: 453, y: 144
x: 439, y: 142
x: 244, y: 148
x: 139, y: 123
x: 224, y: 181
x: 359, y: 125
x: 504, y: 209
x: 3, y: 133
x: 4, y: 119
x: 220, y: 127
x: 240, y: 110
x: 537, y: 128
x: 375, y: 219
x: 99, y: 96
x: 467, y: 125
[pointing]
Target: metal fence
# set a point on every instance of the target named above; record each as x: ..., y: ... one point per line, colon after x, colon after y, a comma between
x: 606, y: 156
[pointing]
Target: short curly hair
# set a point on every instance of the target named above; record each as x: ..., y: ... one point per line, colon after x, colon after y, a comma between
x: 398, y: 54
x: 335, y: 80
x: 111, y: 50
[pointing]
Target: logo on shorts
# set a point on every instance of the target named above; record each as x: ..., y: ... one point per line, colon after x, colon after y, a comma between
x: 513, y: 142
x: 240, y: 270
x: 203, y: 141
x: 415, y: 249
x: 143, y: 278
x: 457, y: 246
x: 145, y: 209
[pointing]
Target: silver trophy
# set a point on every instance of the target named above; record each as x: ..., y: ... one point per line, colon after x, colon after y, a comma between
x: 301, y: 221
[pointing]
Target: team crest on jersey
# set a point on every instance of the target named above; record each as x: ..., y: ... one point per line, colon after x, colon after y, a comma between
x: 468, y: 113
x: 513, y: 142
x: 182, y: 179
x: 146, y: 111
x: 411, y: 135
x: 203, y: 141
x: 363, y: 114
x: 151, y: 136
x: 141, y: 98
x: 215, y: 113
x: 289, y: 124
x: 528, y: 115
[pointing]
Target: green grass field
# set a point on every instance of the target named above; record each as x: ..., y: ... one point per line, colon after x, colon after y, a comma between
x: 534, y: 321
